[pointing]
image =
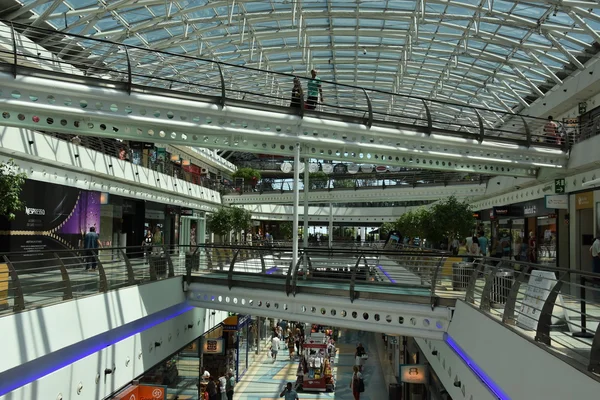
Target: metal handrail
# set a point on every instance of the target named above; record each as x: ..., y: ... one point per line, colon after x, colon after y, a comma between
x: 339, y: 266
x: 434, y: 120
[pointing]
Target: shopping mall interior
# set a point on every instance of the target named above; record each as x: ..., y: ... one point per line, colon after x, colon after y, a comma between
x: 366, y: 199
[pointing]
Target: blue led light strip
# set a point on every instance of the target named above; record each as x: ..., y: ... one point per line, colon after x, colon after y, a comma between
x: 33, y: 370
x: 487, y: 381
x: 383, y: 271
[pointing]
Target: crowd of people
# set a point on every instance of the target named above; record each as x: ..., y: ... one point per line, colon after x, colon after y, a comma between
x: 479, y: 244
x: 221, y: 388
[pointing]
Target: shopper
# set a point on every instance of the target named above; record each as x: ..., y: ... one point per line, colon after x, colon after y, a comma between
x: 297, y: 94
x: 147, y: 245
x: 483, y: 243
x: 551, y: 131
x: 211, y: 389
x: 230, y: 385
x: 532, y: 249
x: 358, y: 356
x: 355, y: 383
x: 291, y: 346
x: 274, y: 347
x: 223, y: 387
x: 288, y: 393
x: 595, y: 253
x: 314, y: 91
x: 91, y: 243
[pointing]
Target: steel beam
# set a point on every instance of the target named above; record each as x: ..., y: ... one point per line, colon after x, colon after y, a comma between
x: 81, y: 109
x: 330, y: 309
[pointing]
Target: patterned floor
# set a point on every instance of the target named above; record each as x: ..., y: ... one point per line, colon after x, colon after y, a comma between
x: 266, y: 379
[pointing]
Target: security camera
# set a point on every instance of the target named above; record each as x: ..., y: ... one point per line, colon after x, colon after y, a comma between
x: 365, y: 51
x: 517, y: 187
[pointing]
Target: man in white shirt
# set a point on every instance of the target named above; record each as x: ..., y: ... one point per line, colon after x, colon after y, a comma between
x: 274, y: 347
x: 595, y: 253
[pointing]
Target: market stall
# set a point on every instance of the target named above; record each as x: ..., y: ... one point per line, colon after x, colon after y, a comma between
x: 315, y: 371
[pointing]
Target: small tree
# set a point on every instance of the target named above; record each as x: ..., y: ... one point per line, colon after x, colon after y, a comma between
x: 286, y: 229
x: 317, y: 180
x: 250, y: 175
x: 386, y: 228
x: 11, y: 184
x: 343, y: 183
x: 415, y: 223
x: 450, y: 218
x: 241, y: 219
x: 220, y: 222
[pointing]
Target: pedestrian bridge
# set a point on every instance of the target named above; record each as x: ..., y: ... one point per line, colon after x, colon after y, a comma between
x: 451, y: 309
x: 146, y: 95
x: 346, y: 288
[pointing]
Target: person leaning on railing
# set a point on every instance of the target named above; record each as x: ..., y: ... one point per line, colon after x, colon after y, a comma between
x: 297, y: 94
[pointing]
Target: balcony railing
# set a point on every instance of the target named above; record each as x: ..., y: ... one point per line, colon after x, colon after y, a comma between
x: 557, y: 308
x: 137, y: 68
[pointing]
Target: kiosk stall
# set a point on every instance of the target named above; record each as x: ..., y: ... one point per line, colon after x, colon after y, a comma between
x: 316, y: 362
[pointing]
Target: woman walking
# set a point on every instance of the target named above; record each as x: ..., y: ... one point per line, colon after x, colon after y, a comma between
x: 355, y: 383
x: 291, y: 346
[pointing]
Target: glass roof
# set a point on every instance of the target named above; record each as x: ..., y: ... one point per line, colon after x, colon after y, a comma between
x: 490, y: 53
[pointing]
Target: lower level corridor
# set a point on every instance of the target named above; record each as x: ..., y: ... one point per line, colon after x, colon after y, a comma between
x: 266, y: 379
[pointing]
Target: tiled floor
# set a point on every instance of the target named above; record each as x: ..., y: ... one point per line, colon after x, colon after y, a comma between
x: 266, y: 379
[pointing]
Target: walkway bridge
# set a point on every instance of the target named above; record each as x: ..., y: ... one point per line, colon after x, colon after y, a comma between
x: 107, y: 89
x: 406, y: 292
x: 397, y: 291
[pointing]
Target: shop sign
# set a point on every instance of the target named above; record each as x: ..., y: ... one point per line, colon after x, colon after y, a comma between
x: 413, y: 373
x: 477, y: 215
x: 584, y: 200
x: 559, y: 185
x: 245, y: 320
x: 530, y: 210
x: 230, y: 328
x: 187, y: 212
x: 212, y: 346
x: 128, y: 207
x: 152, y: 392
x: 557, y: 201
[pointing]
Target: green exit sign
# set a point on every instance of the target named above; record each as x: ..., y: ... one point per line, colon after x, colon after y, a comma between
x: 559, y: 185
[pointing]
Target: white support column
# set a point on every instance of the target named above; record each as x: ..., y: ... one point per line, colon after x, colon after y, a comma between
x: 330, y: 225
x: 296, y: 204
x: 306, y: 187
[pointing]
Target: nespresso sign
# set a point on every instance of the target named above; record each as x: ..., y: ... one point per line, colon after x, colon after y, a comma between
x: 506, y: 211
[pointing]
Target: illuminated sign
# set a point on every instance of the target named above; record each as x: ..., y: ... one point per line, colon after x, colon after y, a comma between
x: 413, y: 373
x: 104, y: 198
x: 584, y: 200
x: 212, y: 346
x: 557, y: 201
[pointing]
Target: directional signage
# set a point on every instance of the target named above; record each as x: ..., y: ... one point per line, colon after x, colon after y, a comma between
x: 559, y: 185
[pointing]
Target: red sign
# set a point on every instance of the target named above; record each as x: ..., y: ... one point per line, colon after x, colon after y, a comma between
x: 151, y: 392
x: 142, y: 392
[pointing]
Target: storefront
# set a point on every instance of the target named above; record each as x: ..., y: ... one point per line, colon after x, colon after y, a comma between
x: 541, y: 224
x: 192, y: 230
x: 225, y: 348
x: 418, y: 379
x: 55, y: 217
x: 507, y: 226
x: 154, y: 220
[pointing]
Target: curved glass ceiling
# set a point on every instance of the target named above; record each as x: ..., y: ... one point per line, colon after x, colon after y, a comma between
x: 490, y: 53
